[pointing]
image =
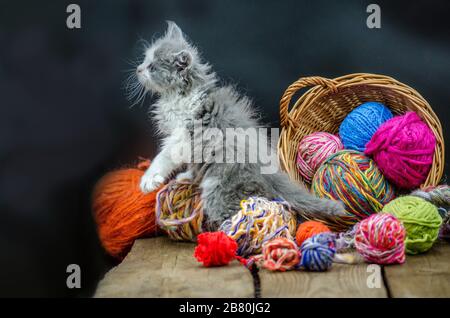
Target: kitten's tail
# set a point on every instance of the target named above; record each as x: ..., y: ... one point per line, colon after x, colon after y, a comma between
x: 307, y: 205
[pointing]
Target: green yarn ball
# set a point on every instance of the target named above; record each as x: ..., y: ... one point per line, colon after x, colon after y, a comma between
x: 421, y: 220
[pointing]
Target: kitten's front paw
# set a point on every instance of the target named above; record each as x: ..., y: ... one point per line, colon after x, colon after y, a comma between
x: 150, y: 182
x: 186, y: 175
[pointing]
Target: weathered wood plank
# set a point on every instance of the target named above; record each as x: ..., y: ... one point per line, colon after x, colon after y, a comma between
x: 159, y: 267
x: 425, y: 275
x: 341, y: 280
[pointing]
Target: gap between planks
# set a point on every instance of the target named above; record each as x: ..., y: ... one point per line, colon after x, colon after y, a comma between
x: 159, y: 267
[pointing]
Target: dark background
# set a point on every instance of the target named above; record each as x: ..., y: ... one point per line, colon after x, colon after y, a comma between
x: 64, y: 120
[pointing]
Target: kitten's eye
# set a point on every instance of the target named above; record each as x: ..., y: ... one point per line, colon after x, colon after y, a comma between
x: 151, y: 67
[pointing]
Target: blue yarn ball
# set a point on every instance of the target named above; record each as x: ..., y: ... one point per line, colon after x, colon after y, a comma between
x: 317, y: 252
x: 359, y: 126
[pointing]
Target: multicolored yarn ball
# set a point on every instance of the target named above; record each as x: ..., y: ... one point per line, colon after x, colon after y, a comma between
x: 279, y: 254
x: 361, y: 123
x: 216, y: 249
x: 354, y: 179
x: 313, y: 150
x: 403, y: 149
x: 179, y: 210
x: 440, y: 197
x: 421, y: 220
x: 317, y: 252
x: 259, y: 220
x: 121, y: 211
x: 444, y: 232
x: 309, y: 229
x: 380, y: 239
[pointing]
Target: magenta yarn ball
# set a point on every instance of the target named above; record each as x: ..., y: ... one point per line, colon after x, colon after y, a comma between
x: 313, y: 150
x: 403, y: 149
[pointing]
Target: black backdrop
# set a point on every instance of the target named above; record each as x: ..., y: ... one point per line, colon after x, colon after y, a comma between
x: 64, y: 120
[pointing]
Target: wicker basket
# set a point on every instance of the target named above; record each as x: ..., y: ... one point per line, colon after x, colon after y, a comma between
x: 324, y: 106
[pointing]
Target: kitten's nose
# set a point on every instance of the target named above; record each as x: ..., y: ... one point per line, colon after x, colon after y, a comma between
x: 140, y: 69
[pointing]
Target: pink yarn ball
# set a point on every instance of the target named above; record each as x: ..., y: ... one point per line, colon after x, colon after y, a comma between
x: 313, y: 150
x: 380, y: 239
x: 403, y: 149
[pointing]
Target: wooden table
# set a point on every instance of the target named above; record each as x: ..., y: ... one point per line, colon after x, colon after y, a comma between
x: 159, y: 267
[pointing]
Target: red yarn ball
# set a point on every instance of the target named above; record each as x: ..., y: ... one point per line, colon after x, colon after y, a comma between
x: 215, y: 249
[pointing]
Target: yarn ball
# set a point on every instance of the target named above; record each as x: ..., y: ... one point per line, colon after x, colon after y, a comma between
x: 179, y: 210
x: 215, y: 249
x: 354, y: 179
x: 444, y: 232
x: 313, y: 150
x: 121, y: 211
x: 440, y: 197
x: 280, y: 254
x: 259, y: 220
x: 361, y: 123
x: 403, y: 149
x: 380, y: 239
x: 309, y: 229
x: 317, y: 252
x: 421, y: 220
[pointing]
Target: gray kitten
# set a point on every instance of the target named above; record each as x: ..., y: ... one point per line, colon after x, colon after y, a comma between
x: 189, y: 96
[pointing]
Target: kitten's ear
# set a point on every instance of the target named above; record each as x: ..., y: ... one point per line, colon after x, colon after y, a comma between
x: 183, y: 59
x: 174, y: 31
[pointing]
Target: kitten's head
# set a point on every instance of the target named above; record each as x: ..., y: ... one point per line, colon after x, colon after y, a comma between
x: 171, y: 64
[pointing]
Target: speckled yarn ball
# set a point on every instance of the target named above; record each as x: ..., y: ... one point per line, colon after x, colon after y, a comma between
x: 380, y: 239
x: 361, y: 123
x: 403, y: 149
x: 421, y: 220
x: 353, y: 178
x: 313, y: 150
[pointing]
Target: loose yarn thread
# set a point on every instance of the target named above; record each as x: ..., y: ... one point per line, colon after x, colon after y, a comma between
x: 259, y: 221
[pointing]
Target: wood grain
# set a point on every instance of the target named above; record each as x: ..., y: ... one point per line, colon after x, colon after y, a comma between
x: 425, y: 275
x: 159, y: 267
x: 340, y: 281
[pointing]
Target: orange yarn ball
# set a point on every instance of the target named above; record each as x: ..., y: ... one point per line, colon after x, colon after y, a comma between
x: 309, y: 229
x: 121, y: 211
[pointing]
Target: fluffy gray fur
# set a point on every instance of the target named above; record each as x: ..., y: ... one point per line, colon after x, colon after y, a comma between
x: 187, y: 90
